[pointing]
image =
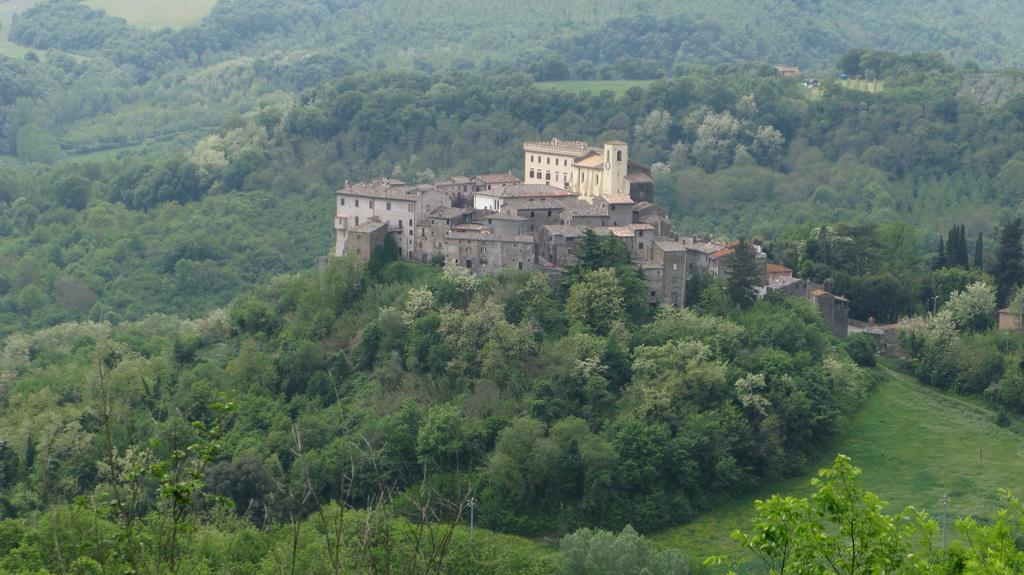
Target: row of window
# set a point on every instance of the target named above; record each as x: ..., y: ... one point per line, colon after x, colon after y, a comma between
x: 558, y: 161
x: 387, y: 206
x: 547, y: 175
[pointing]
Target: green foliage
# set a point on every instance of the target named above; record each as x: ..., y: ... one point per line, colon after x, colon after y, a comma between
x: 588, y: 552
x: 861, y: 349
x: 841, y: 528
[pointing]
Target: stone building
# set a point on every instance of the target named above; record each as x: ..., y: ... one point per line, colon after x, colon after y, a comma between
x: 392, y: 202
x: 485, y: 252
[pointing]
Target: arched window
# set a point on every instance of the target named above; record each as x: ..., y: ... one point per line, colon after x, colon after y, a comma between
x: 618, y: 156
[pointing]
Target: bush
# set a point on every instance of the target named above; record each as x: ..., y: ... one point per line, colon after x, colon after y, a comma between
x: 861, y: 349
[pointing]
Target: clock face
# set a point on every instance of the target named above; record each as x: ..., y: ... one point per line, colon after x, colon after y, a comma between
x: 607, y: 165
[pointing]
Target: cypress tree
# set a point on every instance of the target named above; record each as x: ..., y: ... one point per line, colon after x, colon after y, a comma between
x: 963, y: 248
x: 952, y: 243
x: 979, y: 259
x: 744, y: 276
x: 940, y: 259
x: 1009, y: 256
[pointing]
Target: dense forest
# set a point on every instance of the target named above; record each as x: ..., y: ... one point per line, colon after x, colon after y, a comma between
x: 556, y: 406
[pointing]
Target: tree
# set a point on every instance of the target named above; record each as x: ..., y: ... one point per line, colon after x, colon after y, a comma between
x: 1008, y: 270
x: 598, y: 552
x: 841, y: 528
x: 744, y: 276
x: 382, y: 255
x: 979, y: 256
x: 861, y: 349
x: 596, y: 302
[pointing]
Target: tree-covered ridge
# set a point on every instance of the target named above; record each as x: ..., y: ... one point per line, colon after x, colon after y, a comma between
x: 811, y: 34
x: 736, y: 152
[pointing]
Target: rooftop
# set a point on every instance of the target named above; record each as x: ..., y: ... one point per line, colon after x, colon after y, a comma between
x: 622, y: 232
x: 566, y: 231
x: 778, y: 269
x: 670, y: 245
x: 528, y: 191
x: 385, y: 188
x: 489, y: 237
x: 618, y: 199
x: 497, y: 178
x: 590, y: 161
x: 450, y: 212
x: 575, y: 147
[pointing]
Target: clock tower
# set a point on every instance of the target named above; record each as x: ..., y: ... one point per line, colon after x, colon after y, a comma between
x: 616, y: 162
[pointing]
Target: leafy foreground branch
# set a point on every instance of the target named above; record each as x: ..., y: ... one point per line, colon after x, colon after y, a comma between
x: 842, y: 529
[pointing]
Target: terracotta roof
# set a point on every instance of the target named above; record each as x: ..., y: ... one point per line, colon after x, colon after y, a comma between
x: 819, y: 292
x: 622, y: 232
x: 778, y: 269
x: 590, y: 161
x: 640, y: 227
x: 528, y: 191
x: 723, y: 252
x: 497, y: 178
x: 618, y: 199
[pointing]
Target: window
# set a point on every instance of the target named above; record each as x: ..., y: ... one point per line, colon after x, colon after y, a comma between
x: 387, y: 206
x: 549, y: 213
x: 410, y: 222
x: 520, y: 265
x: 531, y: 172
x: 410, y: 232
x: 608, y: 156
x: 618, y: 156
x: 357, y: 220
x: 547, y: 176
x: 597, y: 180
x: 371, y: 204
x: 549, y: 161
x: 675, y: 267
x: 652, y: 293
x: 357, y: 202
x: 532, y: 213
x: 341, y: 202
x: 410, y: 207
x: 469, y: 264
x: 641, y: 245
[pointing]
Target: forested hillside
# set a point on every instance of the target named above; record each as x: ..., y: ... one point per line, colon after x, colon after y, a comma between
x: 557, y: 406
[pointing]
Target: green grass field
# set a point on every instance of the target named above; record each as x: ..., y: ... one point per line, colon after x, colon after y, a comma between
x: 156, y: 13
x: 594, y: 86
x: 914, y: 443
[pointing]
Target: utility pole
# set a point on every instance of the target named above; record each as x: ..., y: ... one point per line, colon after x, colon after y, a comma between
x: 945, y: 507
x: 472, y: 507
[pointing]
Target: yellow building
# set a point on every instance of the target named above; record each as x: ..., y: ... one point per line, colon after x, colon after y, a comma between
x: 576, y: 166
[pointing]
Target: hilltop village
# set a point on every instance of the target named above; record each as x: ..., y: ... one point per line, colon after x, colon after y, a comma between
x: 486, y: 223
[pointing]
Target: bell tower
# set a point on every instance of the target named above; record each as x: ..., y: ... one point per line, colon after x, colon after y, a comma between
x: 616, y: 161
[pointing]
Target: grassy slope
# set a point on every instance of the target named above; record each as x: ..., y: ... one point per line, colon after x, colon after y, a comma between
x: 156, y: 13
x: 596, y: 86
x: 914, y: 444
